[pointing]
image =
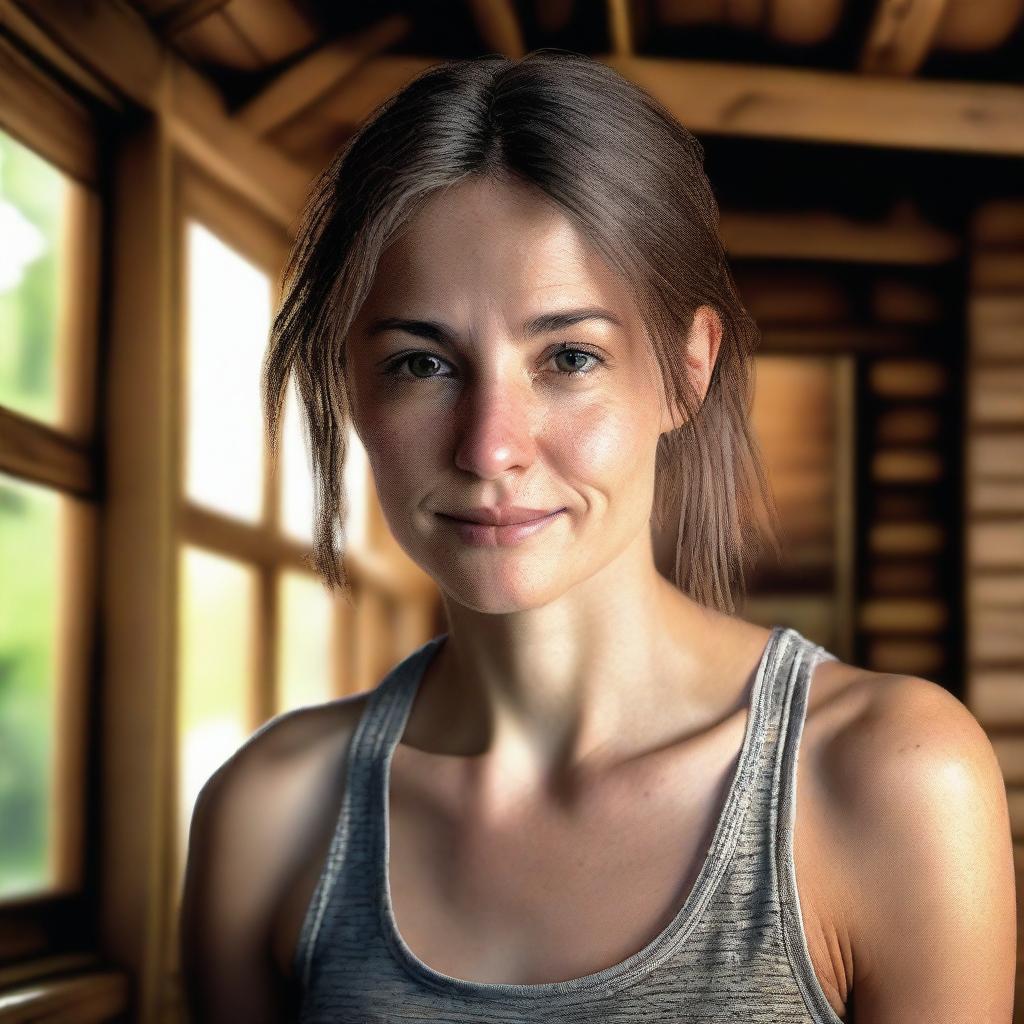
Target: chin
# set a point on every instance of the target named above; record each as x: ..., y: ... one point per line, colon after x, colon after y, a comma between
x: 498, y: 590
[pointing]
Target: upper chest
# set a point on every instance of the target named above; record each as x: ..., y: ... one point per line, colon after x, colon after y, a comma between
x: 571, y: 885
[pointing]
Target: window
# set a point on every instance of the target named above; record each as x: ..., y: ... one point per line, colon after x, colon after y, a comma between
x: 48, y: 504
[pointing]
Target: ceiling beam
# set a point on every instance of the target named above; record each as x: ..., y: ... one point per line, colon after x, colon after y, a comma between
x: 114, y: 45
x: 498, y: 25
x: 822, y: 106
x: 900, y: 36
x: 182, y: 16
x: 750, y: 100
x: 315, y: 75
x: 620, y: 27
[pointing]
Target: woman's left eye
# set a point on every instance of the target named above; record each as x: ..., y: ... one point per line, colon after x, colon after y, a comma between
x: 394, y: 368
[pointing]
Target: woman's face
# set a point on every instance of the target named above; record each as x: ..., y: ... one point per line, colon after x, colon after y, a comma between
x: 465, y: 397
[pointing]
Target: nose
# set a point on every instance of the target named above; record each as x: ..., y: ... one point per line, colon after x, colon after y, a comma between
x: 495, y: 428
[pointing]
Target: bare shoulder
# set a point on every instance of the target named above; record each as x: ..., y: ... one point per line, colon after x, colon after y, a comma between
x: 257, y: 823
x: 919, y: 812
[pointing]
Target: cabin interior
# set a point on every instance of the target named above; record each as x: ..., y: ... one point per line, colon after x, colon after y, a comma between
x: 157, y: 597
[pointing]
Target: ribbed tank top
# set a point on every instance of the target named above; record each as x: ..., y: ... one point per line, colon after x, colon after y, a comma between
x: 735, y: 951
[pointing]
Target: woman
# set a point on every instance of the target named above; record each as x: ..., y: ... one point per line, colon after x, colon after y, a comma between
x: 583, y: 801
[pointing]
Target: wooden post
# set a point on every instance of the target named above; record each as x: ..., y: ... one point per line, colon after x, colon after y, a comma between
x: 139, y: 585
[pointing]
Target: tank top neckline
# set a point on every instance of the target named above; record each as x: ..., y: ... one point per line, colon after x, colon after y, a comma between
x: 395, y: 716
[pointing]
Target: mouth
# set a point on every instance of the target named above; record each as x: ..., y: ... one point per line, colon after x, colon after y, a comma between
x: 487, y: 518
x: 491, y: 535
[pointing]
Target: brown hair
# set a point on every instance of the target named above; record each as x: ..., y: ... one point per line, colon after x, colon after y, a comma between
x: 631, y: 177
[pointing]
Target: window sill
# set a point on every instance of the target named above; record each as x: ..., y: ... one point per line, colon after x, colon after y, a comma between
x: 69, y: 988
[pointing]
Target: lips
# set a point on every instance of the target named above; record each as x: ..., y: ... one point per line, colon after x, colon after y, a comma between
x: 501, y: 515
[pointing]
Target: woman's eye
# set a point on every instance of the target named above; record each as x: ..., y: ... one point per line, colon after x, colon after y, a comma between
x: 577, y: 365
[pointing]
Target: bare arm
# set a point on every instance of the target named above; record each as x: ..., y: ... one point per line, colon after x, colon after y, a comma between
x: 928, y: 834
x: 227, y: 970
x: 259, y: 833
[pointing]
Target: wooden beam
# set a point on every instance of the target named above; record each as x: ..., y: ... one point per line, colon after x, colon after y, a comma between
x: 182, y: 16
x: 498, y: 25
x: 904, y: 240
x: 620, y: 27
x: 819, y: 106
x: 113, y: 44
x: 901, y: 35
x: 749, y: 100
x: 304, y: 83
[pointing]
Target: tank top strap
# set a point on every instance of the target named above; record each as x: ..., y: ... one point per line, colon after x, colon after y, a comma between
x: 353, y: 843
x: 789, y: 671
x: 793, y: 713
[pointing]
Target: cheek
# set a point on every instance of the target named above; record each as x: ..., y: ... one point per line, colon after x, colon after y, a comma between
x: 601, y: 443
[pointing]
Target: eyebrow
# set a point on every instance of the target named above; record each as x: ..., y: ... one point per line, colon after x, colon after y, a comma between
x: 444, y: 335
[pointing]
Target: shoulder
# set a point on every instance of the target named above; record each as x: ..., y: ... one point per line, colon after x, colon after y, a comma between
x: 255, y: 823
x: 919, y: 804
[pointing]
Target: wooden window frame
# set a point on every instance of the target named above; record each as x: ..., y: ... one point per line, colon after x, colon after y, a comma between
x: 63, y: 129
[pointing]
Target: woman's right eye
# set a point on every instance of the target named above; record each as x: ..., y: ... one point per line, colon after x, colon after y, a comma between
x: 393, y: 368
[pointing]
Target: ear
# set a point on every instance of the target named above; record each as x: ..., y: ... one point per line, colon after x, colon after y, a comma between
x: 700, y: 355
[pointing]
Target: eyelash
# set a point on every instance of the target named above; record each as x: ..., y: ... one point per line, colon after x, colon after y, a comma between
x: 393, y: 367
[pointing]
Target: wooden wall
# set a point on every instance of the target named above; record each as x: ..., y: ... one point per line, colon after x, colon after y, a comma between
x: 994, y: 508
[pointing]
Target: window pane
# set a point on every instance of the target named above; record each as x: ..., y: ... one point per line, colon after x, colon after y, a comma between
x: 297, y: 496
x: 34, y: 204
x: 216, y: 642
x: 30, y: 551
x: 229, y: 307
x: 357, y: 487
x: 306, y: 641
x: 297, y: 479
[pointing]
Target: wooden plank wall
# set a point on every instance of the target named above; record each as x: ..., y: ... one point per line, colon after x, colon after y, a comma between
x: 994, y: 508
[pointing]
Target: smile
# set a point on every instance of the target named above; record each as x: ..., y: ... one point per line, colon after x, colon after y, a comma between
x: 484, y: 535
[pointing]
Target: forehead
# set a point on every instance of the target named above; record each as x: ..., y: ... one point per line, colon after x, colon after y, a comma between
x: 503, y: 245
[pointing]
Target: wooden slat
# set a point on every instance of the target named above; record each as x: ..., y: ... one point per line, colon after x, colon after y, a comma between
x: 915, y: 657
x: 1009, y: 750
x: 821, y: 235
x: 183, y: 14
x: 996, y: 635
x: 217, y: 40
x: 1015, y: 802
x: 996, y: 697
x: 917, y: 538
x: 908, y: 378
x: 996, y: 324
x: 900, y: 36
x: 277, y: 28
x: 996, y: 545
x: 997, y: 590
x: 259, y: 545
x: 914, y: 424
x: 33, y: 451
x: 998, y: 456
x: 317, y: 74
x: 997, y: 396
x: 996, y: 497
x: 498, y: 25
x: 908, y: 465
x: 906, y: 615
x: 86, y: 999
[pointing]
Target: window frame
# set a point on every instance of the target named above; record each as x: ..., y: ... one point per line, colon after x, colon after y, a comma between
x: 63, y: 128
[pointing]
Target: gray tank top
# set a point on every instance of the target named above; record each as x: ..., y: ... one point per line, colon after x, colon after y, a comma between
x: 735, y: 951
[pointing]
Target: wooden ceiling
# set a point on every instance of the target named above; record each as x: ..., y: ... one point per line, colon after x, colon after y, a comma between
x: 301, y: 73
